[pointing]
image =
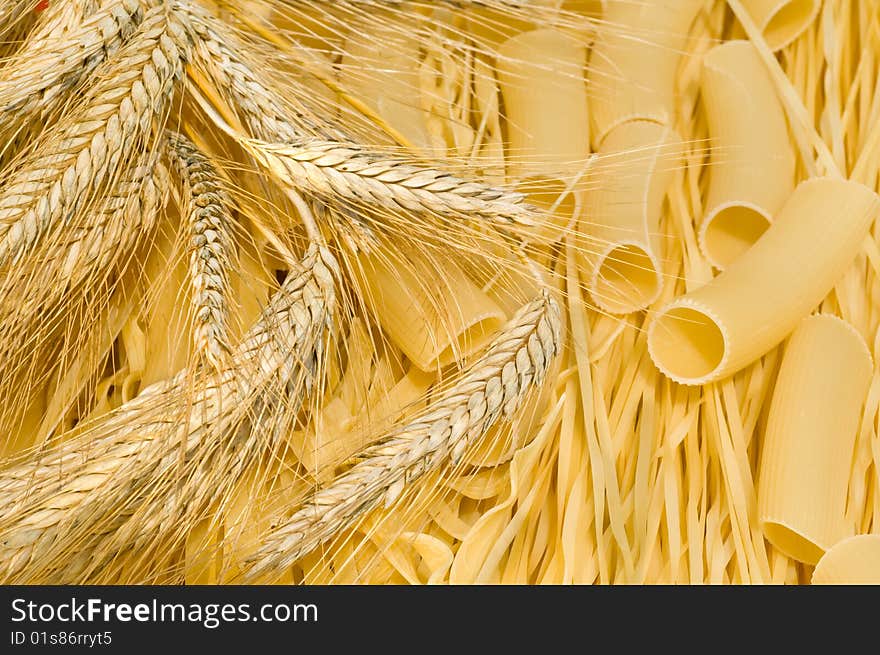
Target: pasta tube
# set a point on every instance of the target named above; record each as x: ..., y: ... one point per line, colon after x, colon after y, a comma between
x: 782, y: 21
x: 623, y: 212
x: 755, y: 303
x: 810, y: 436
x: 753, y: 161
x: 381, y: 68
x: 434, y: 324
x: 536, y: 70
x: 635, y: 62
x: 855, y: 560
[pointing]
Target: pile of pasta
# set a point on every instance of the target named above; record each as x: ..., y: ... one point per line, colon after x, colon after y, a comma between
x: 702, y: 185
x: 710, y: 173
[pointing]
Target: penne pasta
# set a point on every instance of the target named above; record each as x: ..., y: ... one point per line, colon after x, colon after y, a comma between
x: 753, y: 161
x: 782, y: 21
x: 433, y: 324
x: 855, y: 560
x: 539, y: 69
x: 635, y: 61
x: 811, y: 431
x: 621, y: 222
x: 755, y: 303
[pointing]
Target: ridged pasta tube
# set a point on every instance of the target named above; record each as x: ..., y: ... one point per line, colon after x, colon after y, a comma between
x: 622, y: 215
x: 753, y: 161
x: 433, y: 323
x: 381, y: 68
x: 635, y: 60
x: 536, y: 70
x: 855, y: 560
x: 757, y: 301
x: 811, y: 432
x: 782, y: 21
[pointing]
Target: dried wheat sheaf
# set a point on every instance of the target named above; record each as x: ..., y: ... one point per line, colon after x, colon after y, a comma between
x: 184, y: 224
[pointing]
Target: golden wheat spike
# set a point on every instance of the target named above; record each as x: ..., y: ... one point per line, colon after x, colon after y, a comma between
x: 70, y: 510
x: 493, y: 388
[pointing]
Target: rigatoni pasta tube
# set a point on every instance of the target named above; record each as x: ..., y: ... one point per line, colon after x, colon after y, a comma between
x: 782, y: 21
x: 381, y: 68
x: 622, y: 215
x: 752, y: 170
x: 757, y: 301
x: 811, y: 432
x: 855, y: 560
x: 434, y: 323
x: 634, y: 63
x: 537, y: 70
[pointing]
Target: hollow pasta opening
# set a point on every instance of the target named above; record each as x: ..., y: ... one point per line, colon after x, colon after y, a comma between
x: 474, y: 338
x: 731, y: 232
x: 546, y: 195
x: 792, y: 543
x: 789, y: 21
x: 687, y: 344
x: 626, y: 280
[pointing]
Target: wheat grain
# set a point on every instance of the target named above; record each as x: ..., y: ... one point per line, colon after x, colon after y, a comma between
x: 494, y: 387
x: 73, y: 161
x: 62, y: 509
x: 46, y: 68
x: 207, y: 207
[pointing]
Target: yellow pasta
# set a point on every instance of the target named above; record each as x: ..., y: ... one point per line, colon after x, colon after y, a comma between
x: 782, y: 21
x: 855, y: 560
x: 811, y: 430
x: 391, y: 88
x: 754, y: 304
x: 622, y: 215
x: 433, y: 322
x: 539, y: 69
x: 753, y: 159
x: 635, y: 62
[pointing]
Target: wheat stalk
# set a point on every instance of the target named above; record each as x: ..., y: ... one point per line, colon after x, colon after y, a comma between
x: 47, y: 67
x: 494, y: 387
x: 66, y: 510
x: 72, y: 162
x: 207, y: 207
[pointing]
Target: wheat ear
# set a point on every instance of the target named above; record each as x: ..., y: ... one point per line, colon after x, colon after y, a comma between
x: 45, y: 69
x: 73, y: 160
x: 69, y: 510
x: 207, y: 206
x: 494, y: 387
x: 331, y: 170
x: 266, y: 117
